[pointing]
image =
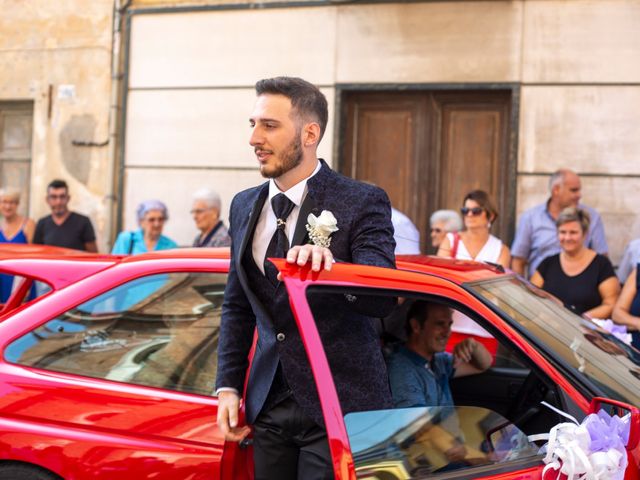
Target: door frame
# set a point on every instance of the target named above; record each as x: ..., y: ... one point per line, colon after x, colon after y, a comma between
x: 511, y: 175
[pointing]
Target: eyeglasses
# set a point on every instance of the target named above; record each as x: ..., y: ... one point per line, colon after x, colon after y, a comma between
x: 475, y: 211
x: 436, y: 230
x: 198, y: 211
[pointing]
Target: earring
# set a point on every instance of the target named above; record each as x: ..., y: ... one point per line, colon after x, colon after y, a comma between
x: 489, y: 225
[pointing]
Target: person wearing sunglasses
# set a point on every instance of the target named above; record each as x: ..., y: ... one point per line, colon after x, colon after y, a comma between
x: 443, y: 222
x: 475, y: 242
x: 152, y: 215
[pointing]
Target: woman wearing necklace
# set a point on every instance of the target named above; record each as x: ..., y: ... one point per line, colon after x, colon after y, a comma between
x: 475, y: 242
x: 581, y: 278
x: 14, y: 228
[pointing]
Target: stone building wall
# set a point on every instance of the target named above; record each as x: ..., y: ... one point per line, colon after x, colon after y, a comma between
x: 190, y: 74
x: 57, y: 56
x: 575, y: 64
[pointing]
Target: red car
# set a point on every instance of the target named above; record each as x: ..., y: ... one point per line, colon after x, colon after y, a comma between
x: 110, y: 374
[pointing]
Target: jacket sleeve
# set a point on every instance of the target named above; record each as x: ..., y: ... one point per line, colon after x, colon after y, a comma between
x: 371, y: 234
x: 236, y: 326
x: 372, y: 243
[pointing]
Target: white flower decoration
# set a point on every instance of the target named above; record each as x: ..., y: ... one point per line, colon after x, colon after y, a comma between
x: 320, y: 228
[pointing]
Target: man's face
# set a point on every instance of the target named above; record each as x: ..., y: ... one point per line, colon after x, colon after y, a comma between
x: 436, y: 330
x: 204, y: 215
x: 275, y: 135
x: 8, y: 206
x: 568, y: 192
x: 58, y: 199
x: 438, y: 233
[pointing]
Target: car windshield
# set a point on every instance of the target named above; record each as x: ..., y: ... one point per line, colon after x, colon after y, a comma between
x: 606, y: 362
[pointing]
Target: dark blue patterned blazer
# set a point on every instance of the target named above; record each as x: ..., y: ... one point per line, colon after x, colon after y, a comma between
x: 365, y: 236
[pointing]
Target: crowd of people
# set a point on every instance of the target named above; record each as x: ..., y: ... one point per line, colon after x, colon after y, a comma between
x: 68, y: 229
x: 560, y: 245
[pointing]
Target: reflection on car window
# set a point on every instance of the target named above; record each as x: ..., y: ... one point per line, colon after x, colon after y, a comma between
x: 604, y: 360
x: 414, y: 442
x: 159, y: 331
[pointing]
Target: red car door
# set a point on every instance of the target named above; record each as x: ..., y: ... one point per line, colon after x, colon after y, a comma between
x: 367, y: 280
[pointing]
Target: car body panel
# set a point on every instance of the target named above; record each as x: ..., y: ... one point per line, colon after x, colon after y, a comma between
x: 90, y: 428
x: 409, y: 280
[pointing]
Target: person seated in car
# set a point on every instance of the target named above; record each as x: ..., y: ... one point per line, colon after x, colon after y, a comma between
x: 420, y: 370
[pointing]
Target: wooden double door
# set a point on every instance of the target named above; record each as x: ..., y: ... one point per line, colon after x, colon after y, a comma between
x: 429, y: 149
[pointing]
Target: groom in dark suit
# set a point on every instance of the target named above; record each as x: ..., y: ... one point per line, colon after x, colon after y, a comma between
x: 288, y: 121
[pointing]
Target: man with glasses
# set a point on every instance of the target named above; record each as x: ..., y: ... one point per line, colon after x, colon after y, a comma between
x: 64, y: 228
x: 206, y: 215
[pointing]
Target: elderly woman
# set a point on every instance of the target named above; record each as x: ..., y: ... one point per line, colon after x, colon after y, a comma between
x: 476, y: 241
x: 626, y: 311
x: 581, y: 278
x: 14, y: 228
x: 443, y: 222
x: 152, y: 214
x: 206, y: 214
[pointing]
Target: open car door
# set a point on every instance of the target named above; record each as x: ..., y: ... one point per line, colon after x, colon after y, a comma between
x: 416, y: 443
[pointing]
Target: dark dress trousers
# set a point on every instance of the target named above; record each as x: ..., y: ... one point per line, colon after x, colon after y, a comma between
x: 365, y: 236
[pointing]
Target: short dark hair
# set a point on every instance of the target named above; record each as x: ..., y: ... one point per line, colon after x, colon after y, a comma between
x: 57, y: 183
x: 306, y: 99
x: 420, y: 310
x: 574, y: 214
x: 483, y: 199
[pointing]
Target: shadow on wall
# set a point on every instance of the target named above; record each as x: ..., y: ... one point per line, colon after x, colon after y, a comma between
x: 77, y: 159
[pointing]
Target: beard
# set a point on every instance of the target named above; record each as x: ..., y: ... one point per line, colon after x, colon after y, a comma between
x: 290, y: 158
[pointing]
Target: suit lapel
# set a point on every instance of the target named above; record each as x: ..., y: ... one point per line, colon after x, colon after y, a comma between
x: 253, y: 216
x: 312, y: 203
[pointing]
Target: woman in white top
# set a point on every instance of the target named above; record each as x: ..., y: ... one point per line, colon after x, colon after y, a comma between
x: 475, y: 242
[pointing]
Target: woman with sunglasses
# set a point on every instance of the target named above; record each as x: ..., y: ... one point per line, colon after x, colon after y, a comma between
x: 152, y: 215
x: 580, y: 277
x: 475, y: 242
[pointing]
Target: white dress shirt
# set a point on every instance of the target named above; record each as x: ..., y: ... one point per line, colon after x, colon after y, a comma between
x: 266, y: 225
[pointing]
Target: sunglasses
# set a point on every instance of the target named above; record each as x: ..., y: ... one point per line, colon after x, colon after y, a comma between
x: 475, y: 211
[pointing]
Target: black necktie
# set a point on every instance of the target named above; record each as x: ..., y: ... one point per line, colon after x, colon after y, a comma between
x: 279, y: 243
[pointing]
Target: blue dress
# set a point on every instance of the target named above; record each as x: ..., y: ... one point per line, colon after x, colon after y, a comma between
x: 132, y: 243
x: 6, y: 281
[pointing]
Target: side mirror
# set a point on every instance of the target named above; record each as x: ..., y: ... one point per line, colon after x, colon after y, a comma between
x: 620, y: 409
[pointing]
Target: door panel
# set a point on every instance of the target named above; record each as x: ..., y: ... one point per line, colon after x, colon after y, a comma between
x: 355, y: 288
x: 428, y: 149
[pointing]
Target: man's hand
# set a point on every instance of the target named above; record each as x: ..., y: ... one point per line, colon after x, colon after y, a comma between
x: 463, y: 351
x: 319, y: 256
x: 470, y: 357
x: 228, y: 404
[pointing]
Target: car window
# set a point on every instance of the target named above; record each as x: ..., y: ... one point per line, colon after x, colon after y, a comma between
x: 598, y: 357
x: 158, y: 331
x: 427, y: 441
x: 10, y: 286
x: 507, y: 393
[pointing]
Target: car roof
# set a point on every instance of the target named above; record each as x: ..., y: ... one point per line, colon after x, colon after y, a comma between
x: 55, y: 266
x: 62, y: 266
x: 458, y: 271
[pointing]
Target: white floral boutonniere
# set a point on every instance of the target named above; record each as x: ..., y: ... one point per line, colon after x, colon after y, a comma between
x: 320, y: 228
